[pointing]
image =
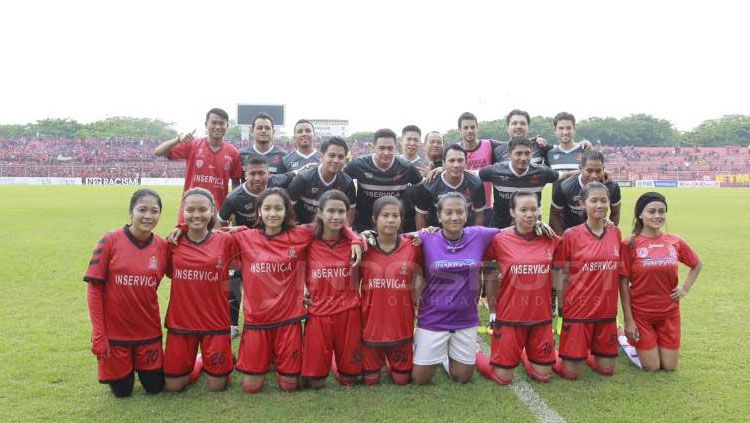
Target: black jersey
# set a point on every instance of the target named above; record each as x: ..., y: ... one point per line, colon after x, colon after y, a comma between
x: 240, y: 204
x: 560, y: 160
x: 418, y: 162
x: 566, y: 196
x: 506, y: 181
x: 500, y: 152
x: 373, y: 183
x: 427, y: 195
x: 296, y: 160
x: 275, y: 157
x: 307, y: 187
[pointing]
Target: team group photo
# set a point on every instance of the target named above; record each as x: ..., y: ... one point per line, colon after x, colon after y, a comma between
x: 440, y: 227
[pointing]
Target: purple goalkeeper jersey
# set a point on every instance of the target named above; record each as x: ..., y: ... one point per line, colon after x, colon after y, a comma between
x: 452, y: 278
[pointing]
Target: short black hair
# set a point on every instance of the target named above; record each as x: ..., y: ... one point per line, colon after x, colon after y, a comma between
x: 591, y: 155
x: 517, y: 141
x: 466, y: 116
x: 563, y: 116
x: 518, y: 112
x: 256, y: 161
x: 455, y: 147
x: 411, y: 128
x: 218, y: 112
x: 383, y: 133
x: 261, y: 115
x: 301, y: 121
x: 334, y: 141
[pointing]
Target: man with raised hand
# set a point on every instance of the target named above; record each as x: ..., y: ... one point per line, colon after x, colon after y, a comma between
x: 304, y: 146
x: 262, y: 129
x: 210, y: 162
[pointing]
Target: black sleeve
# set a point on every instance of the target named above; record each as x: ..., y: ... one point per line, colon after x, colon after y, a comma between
x: 296, y: 187
x: 422, y: 198
x: 281, y: 180
x: 227, y: 210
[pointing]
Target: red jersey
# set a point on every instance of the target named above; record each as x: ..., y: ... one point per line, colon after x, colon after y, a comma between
x: 387, y: 303
x: 525, y: 262
x: 200, y: 284
x: 651, y: 265
x: 594, y: 273
x: 330, y: 282
x: 131, y: 271
x: 208, y: 169
x: 273, y: 275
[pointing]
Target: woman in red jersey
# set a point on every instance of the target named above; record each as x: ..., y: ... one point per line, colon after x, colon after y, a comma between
x: 272, y: 256
x: 334, y: 327
x: 198, y: 312
x: 389, y: 273
x: 123, y: 275
x: 521, y: 312
x: 651, y: 259
x: 589, y: 289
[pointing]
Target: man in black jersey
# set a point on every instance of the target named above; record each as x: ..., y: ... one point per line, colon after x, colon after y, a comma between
x: 379, y: 175
x: 304, y: 146
x: 517, y: 174
x: 566, y: 209
x: 262, y: 129
x: 307, y: 187
x: 455, y: 178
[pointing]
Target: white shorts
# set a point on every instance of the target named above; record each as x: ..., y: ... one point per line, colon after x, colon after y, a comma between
x: 431, y: 347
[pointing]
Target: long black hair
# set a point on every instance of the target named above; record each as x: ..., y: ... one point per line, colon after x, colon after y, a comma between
x: 327, y: 196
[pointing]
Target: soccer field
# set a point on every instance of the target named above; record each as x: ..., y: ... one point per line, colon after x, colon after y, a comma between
x: 47, y: 371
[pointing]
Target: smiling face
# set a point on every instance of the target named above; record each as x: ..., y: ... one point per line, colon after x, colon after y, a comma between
x: 216, y: 127
x: 468, y: 128
x: 434, y: 146
x: 592, y: 171
x: 333, y: 214
x: 597, y: 203
x: 145, y: 215
x: 654, y: 215
x: 197, y: 212
x: 384, y: 150
x: 565, y: 130
x: 272, y: 213
x: 520, y: 158
x: 388, y: 221
x: 455, y: 163
x: 518, y: 126
x: 525, y: 213
x: 304, y: 136
x: 333, y: 159
x: 256, y: 177
x: 410, y: 143
x: 452, y: 215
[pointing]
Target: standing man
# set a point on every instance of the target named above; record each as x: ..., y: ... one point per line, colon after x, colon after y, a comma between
x: 210, y: 162
x: 566, y: 209
x: 378, y: 175
x: 567, y: 155
x: 304, y: 146
x: 518, y: 122
x: 263, y: 144
x: 411, y: 143
x: 307, y: 187
x: 454, y: 178
x: 433, y: 147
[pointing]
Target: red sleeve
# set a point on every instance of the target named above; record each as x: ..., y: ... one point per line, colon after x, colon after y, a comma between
x: 233, y: 250
x: 352, y: 237
x: 170, y: 251
x: 557, y: 255
x: 95, y: 299
x: 489, y: 252
x: 99, y: 263
x: 686, y: 254
x: 627, y: 258
x: 237, y: 171
x: 562, y: 256
x: 181, y: 151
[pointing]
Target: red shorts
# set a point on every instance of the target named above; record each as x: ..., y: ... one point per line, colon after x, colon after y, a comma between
x: 282, y: 344
x: 147, y: 357
x: 508, y: 342
x: 580, y: 338
x: 657, y: 331
x: 400, y: 358
x: 338, y: 334
x: 179, y: 357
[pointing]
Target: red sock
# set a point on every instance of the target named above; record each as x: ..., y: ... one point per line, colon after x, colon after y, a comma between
x: 558, y: 368
x: 286, y: 385
x: 531, y: 372
x: 486, y: 370
x: 591, y: 361
x: 197, y: 368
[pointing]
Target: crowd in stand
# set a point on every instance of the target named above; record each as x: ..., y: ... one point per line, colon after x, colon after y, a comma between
x: 124, y: 157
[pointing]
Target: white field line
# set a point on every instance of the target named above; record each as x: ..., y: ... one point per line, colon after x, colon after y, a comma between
x: 525, y: 392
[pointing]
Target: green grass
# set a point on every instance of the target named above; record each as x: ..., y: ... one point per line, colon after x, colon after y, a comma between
x: 48, y: 373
